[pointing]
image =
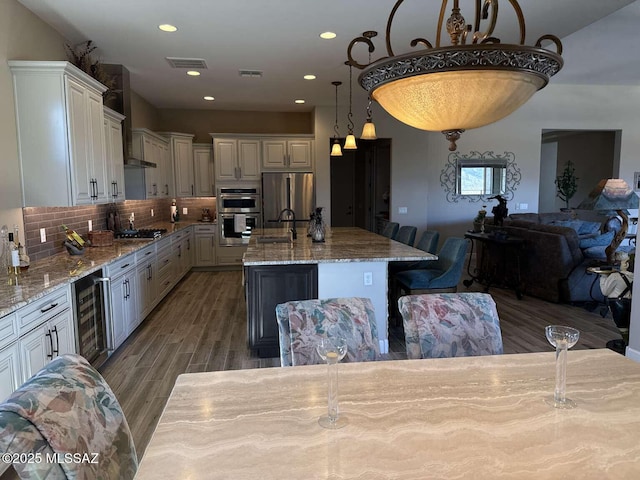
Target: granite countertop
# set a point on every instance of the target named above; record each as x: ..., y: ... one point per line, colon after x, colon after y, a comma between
x: 342, y: 244
x: 50, y: 273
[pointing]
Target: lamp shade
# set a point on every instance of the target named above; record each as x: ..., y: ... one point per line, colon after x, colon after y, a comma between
x: 336, y: 151
x: 368, y: 131
x: 610, y: 194
x: 350, y: 142
x: 465, y: 99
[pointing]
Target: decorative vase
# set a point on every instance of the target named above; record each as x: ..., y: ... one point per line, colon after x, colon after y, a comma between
x: 317, y: 229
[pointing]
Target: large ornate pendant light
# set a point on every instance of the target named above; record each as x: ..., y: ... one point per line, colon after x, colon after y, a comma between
x: 475, y: 81
x: 336, y: 151
x: 350, y: 141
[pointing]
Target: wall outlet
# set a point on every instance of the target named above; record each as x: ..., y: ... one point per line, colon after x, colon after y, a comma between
x: 152, y: 212
x: 368, y: 278
x: 524, y: 206
x: 43, y: 235
x: 89, y: 225
x: 402, y: 209
x: 185, y: 210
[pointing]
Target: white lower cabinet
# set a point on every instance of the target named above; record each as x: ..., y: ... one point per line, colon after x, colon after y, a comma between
x: 44, y: 343
x: 205, y: 240
x: 123, y: 300
x: 10, y: 376
x: 145, y: 281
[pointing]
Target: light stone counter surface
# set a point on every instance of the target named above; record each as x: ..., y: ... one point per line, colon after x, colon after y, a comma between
x: 341, y: 244
x: 50, y: 273
x: 465, y: 418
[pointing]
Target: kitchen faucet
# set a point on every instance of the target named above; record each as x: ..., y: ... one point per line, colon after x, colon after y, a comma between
x: 294, y: 234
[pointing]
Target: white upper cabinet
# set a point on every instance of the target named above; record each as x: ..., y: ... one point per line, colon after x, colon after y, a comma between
x: 287, y: 154
x: 114, y: 154
x: 203, y: 170
x: 236, y: 159
x: 154, y: 148
x: 61, y: 138
x: 181, y: 146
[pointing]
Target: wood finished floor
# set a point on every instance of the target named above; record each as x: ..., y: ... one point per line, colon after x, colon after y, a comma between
x: 201, y: 326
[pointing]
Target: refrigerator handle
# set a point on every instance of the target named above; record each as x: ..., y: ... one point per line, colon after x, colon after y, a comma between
x: 288, y: 192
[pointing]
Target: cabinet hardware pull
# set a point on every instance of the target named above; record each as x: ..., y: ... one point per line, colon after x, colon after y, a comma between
x: 57, y: 350
x: 53, y: 305
x: 125, y: 265
x: 127, y: 292
x: 148, y: 253
x: 191, y: 189
x: 48, y: 334
x: 179, y: 251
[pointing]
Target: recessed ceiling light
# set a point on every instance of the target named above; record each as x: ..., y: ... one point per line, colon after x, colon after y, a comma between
x: 328, y: 35
x: 165, y: 27
x: 299, y: 101
x: 309, y: 77
x: 209, y: 98
x: 193, y: 73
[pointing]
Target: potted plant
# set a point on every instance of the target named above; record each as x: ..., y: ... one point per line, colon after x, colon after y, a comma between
x: 567, y: 184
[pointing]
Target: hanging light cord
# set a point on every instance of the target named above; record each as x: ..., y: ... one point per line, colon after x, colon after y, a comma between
x: 350, y: 125
x: 335, y: 125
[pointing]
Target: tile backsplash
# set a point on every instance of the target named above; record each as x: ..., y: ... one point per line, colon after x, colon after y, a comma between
x: 51, y: 219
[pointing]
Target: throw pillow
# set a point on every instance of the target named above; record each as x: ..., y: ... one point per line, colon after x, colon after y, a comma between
x: 601, y: 240
x: 573, y: 224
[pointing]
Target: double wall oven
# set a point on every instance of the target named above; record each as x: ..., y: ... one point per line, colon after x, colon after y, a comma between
x: 239, y: 213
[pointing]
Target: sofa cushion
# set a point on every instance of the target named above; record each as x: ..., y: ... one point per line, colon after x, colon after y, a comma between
x: 573, y: 224
x: 597, y: 252
x: 589, y: 228
x: 527, y: 217
x: 556, y: 216
x: 601, y: 240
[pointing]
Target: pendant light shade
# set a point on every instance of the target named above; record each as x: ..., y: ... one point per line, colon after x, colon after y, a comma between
x: 368, y: 131
x: 350, y: 141
x: 475, y: 81
x: 336, y: 151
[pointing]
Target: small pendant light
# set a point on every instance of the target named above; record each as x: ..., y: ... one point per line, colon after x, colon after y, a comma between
x: 369, y: 129
x: 350, y: 141
x: 336, y: 151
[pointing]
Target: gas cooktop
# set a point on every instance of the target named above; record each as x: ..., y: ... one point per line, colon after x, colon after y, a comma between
x: 141, y: 233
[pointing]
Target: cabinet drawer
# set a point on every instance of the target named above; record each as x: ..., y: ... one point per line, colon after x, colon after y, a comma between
x: 230, y: 255
x: 145, y: 253
x: 206, y: 228
x: 121, y: 266
x: 42, y: 309
x: 8, y: 330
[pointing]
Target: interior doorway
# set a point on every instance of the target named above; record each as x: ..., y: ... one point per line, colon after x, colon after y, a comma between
x: 595, y: 154
x: 360, y: 185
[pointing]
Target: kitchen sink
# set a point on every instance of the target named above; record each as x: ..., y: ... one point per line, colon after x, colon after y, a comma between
x: 278, y: 239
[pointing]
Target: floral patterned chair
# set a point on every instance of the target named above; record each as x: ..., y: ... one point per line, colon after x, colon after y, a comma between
x: 302, y: 323
x: 450, y: 325
x: 67, y: 408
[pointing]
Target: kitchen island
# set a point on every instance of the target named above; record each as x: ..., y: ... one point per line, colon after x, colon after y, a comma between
x: 351, y: 262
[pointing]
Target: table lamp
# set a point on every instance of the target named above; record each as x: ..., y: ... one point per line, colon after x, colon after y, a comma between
x: 613, y: 194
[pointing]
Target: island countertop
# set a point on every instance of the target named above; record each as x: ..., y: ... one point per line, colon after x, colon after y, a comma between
x: 342, y: 244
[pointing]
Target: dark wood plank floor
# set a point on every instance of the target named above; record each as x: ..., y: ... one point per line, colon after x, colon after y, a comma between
x: 201, y: 326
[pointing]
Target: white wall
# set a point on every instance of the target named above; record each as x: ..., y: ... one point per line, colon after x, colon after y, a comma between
x: 418, y: 157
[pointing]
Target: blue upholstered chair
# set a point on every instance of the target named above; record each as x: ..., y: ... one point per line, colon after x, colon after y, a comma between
x: 438, y: 275
x: 406, y: 235
x: 68, y: 408
x: 302, y: 323
x: 429, y: 241
x: 450, y: 325
x: 390, y: 230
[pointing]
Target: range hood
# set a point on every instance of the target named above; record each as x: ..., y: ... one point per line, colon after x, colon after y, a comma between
x: 121, y: 102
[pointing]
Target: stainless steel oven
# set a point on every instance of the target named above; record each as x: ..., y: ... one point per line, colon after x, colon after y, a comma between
x: 238, y: 200
x: 92, y: 310
x: 236, y: 228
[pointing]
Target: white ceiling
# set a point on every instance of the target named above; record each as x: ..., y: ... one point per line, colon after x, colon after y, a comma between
x: 280, y: 37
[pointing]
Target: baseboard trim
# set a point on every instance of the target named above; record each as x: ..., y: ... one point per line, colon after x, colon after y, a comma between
x: 633, y: 354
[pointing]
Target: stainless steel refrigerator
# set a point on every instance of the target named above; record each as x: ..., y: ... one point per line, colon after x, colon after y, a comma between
x: 295, y: 191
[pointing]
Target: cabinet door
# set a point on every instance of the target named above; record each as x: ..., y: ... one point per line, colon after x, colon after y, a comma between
x: 268, y: 286
x: 300, y: 154
x: 10, y: 378
x: 118, y: 330
x: 145, y: 289
x: 225, y: 159
x: 36, y: 349
x: 62, y: 330
x: 79, y: 133
x: 249, y: 159
x: 205, y: 250
x: 150, y: 154
x: 203, y: 171
x: 183, y: 167
x: 274, y: 154
x: 96, y: 147
x: 167, y: 189
x: 130, y: 310
x: 115, y: 159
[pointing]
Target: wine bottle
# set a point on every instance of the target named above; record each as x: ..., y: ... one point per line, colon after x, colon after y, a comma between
x: 73, y: 237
